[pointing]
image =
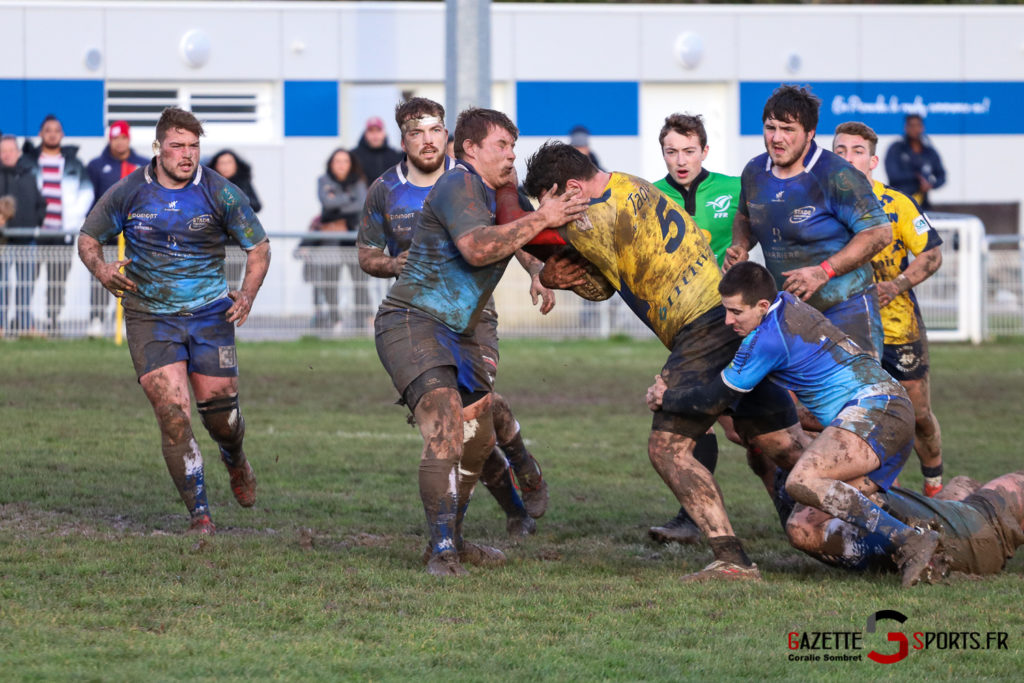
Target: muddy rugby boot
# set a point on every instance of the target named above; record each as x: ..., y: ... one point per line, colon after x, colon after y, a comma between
x: 532, y: 487
x: 679, y: 529
x: 914, y: 555
x: 481, y: 555
x: 445, y: 564
x: 243, y: 484
x: 202, y: 524
x: 520, y: 526
x: 720, y: 570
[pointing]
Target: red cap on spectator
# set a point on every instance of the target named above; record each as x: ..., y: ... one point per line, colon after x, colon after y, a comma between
x: 119, y: 128
x: 374, y: 122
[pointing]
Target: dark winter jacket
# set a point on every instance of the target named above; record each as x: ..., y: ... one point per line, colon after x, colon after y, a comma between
x: 105, y: 170
x: 375, y: 160
x: 19, y: 181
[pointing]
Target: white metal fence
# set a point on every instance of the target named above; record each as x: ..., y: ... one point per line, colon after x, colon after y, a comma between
x: 320, y: 291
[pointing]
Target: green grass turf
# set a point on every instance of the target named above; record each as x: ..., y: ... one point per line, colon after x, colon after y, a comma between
x: 321, y: 580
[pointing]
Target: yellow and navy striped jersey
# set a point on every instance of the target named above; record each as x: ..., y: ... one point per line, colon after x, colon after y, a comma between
x: 911, y: 234
x: 651, y: 251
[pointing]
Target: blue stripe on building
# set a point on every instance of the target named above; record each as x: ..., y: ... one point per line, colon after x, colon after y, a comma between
x: 77, y: 103
x: 311, y: 108
x: 553, y: 108
x: 948, y: 107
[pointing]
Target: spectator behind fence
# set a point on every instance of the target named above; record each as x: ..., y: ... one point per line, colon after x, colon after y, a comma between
x: 342, y: 192
x: 913, y: 165
x: 117, y: 160
x: 373, y: 152
x: 239, y: 172
x: 62, y: 179
x: 18, y: 182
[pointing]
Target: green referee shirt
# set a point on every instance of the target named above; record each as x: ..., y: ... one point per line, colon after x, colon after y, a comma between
x: 711, y: 200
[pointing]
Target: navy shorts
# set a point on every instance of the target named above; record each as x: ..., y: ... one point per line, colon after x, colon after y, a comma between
x: 410, y: 343
x: 700, y: 351
x: 486, y: 336
x: 860, y: 319
x: 906, y: 361
x: 203, y: 338
x: 885, y: 420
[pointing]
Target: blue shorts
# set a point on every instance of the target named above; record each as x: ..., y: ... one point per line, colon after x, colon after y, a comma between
x: 412, y: 344
x: 203, y: 338
x: 859, y: 318
x: 906, y: 362
x: 886, y: 423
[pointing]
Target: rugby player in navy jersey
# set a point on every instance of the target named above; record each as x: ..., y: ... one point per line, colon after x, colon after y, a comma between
x: 176, y: 217
x: 816, y: 218
x: 425, y: 327
x: 869, y: 421
x: 392, y: 207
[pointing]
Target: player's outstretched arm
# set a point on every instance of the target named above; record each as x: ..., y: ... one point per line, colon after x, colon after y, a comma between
x: 257, y: 262
x: 490, y: 243
x: 109, y: 274
x: 920, y: 269
x: 804, y: 282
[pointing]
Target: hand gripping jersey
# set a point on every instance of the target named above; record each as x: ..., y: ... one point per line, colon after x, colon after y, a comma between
x: 803, y: 220
x: 797, y: 348
x: 436, y: 278
x: 651, y: 251
x: 175, y: 238
x: 712, y: 202
x: 911, y: 234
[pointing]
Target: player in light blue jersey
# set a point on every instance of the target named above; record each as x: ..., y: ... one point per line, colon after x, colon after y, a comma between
x: 425, y: 328
x: 816, y: 218
x: 393, y: 206
x: 176, y: 217
x: 869, y: 421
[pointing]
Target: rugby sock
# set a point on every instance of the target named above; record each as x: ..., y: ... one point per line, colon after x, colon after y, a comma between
x: 847, y: 503
x: 705, y: 451
x: 784, y: 503
x: 932, y: 476
x: 497, y: 477
x: 844, y: 545
x: 438, y: 491
x: 477, y: 445
x: 525, y: 465
x: 729, y: 549
x: 185, y: 463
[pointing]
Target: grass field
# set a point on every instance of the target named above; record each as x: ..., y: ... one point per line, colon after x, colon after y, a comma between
x: 321, y: 580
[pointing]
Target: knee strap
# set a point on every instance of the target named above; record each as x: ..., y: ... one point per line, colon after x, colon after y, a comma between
x: 223, y: 420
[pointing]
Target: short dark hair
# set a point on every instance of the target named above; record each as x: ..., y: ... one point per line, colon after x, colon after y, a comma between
x: 415, y: 107
x: 684, y: 124
x: 861, y: 130
x: 792, y: 103
x: 750, y: 279
x: 174, y: 117
x: 555, y: 163
x: 476, y: 123
x: 48, y: 118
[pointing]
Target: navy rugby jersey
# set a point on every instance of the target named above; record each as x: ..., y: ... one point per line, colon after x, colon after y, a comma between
x: 436, y: 278
x: 803, y: 220
x: 175, y: 238
x: 392, y: 207
x: 797, y: 348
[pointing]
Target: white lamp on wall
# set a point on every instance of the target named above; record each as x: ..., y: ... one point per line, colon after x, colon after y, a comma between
x: 93, y: 59
x: 195, y: 48
x: 689, y: 49
x: 794, y: 62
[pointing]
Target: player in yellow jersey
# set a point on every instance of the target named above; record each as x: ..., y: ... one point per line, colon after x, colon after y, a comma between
x: 906, y: 344
x: 662, y: 266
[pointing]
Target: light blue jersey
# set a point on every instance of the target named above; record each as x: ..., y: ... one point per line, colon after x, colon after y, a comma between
x: 175, y: 238
x: 797, y: 348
